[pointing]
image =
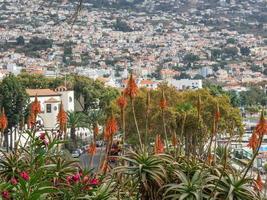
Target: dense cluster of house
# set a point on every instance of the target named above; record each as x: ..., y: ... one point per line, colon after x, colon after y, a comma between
x: 200, y: 41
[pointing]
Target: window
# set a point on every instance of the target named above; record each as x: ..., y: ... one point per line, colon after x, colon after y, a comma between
x: 55, y: 108
x: 48, y: 108
x: 70, y: 99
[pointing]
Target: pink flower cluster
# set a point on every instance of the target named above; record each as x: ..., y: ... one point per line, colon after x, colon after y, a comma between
x: 43, y: 139
x: 5, y: 194
x: 13, y: 181
x: 74, y: 178
x: 24, y: 175
x: 77, y: 178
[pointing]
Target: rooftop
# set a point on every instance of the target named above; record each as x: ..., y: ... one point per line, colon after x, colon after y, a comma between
x: 41, y: 92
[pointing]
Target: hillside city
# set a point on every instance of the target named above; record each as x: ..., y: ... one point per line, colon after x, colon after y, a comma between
x: 181, y: 42
x: 133, y: 99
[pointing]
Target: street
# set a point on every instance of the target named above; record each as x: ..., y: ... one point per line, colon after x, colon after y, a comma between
x: 85, y: 158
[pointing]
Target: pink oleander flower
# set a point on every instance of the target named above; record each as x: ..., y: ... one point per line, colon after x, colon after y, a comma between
x: 5, y: 194
x: 45, y: 141
x: 85, y: 179
x: 76, y: 177
x: 68, y: 179
x: 25, y: 175
x: 94, y: 181
x: 42, y: 136
x: 13, y: 181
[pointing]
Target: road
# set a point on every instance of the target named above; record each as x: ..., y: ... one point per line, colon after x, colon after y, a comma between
x: 85, y: 159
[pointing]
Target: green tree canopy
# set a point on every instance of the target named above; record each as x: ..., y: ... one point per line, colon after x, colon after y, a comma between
x: 190, y: 58
x: 254, y: 96
x: 175, y: 99
x: 13, y: 99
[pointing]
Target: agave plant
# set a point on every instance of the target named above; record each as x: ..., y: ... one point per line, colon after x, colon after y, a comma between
x: 10, y: 164
x: 231, y: 186
x: 193, y: 187
x: 147, y: 171
x: 103, y: 192
x: 60, y: 168
x: 188, y: 166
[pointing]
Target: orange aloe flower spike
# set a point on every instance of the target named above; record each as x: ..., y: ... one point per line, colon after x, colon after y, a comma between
x: 111, y: 127
x: 163, y: 101
x: 122, y: 102
x: 62, y: 118
x: 104, y: 167
x: 253, y: 141
x: 210, y: 159
x: 259, y: 183
x: 131, y: 88
x: 36, y: 106
x: 31, y: 120
x: 159, y: 145
x: 3, y: 120
x: 95, y: 129
x: 261, y: 128
x: 174, y: 140
x: 92, y: 149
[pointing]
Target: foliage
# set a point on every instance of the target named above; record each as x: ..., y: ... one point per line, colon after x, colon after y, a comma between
x: 39, y: 170
x: 230, y: 51
x: 190, y: 58
x: 76, y: 120
x: 20, y: 40
x: 232, y: 186
x: 189, y: 187
x: 121, y: 25
x: 34, y: 81
x: 90, y: 95
x: 253, y: 96
x: 231, y: 41
x: 191, y: 168
x: 174, y: 116
x: 147, y: 171
x: 245, y: 51
x: 13, y: 99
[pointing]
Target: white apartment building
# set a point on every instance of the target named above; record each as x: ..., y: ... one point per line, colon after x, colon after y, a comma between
x: 184, y: 84
x: 205, y: 71
x: 50, y: 101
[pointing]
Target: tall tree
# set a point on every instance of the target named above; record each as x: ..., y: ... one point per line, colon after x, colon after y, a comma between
x: 93, y: 94
x: 14, y: 100
x: 75, y: 120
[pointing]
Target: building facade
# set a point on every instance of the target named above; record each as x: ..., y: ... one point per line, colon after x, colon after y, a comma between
x: 50, y: 101
x: 184, y: 84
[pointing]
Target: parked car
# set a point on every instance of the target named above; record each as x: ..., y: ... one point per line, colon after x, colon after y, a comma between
x: 100, y: 143
x: 80, y: 151
x: 75, y: 154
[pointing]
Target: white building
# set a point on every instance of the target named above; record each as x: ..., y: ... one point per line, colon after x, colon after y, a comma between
x: 205, y: 71
x: 50, y: 101
x: 184, y: 84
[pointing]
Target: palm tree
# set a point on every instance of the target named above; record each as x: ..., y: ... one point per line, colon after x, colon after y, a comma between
x: 75, y: 120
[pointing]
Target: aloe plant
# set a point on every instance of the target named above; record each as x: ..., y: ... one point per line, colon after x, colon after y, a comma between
x: 232, y: 186
x: 147, y: 171
x: 193, y: 187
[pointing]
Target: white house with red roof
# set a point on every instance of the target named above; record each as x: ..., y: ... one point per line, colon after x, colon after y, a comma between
x: 50, y: 101
x: 150, y: 84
